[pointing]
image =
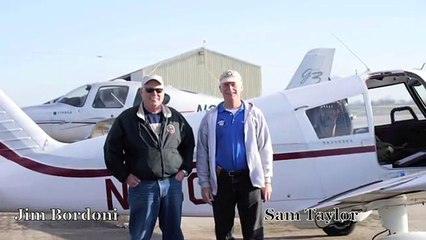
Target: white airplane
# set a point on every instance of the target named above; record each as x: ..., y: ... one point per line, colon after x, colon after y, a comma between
x: 88, y: 110
x: 329, y: 171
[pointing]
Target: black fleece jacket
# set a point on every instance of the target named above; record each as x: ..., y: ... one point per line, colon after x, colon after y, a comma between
x: 132, y: 146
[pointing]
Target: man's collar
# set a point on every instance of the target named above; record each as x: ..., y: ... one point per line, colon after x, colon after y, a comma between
x: 167, y: 113
x: 221, y: 107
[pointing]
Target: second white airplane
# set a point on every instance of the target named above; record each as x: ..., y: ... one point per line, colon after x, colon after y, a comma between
x: 88, y: 110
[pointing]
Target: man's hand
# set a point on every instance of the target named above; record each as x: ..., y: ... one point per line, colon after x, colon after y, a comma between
x: 132, y: 180
x: 266, y: 192
x: 206, y: 192
x: 180, y: 175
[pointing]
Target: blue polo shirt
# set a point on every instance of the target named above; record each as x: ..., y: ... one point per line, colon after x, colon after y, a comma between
x: 230, y: 147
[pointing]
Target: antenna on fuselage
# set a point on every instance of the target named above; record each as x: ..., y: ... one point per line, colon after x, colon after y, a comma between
x: 365, y: 65
x: 202, y: 52
x: 422, y: 66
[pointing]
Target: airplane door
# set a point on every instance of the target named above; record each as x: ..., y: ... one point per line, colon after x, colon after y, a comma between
x: 108, y: 102
x: 338, y: 132
x: 295, y: 179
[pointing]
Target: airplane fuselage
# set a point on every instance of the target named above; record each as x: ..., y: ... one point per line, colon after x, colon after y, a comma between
x: 307, y: 168
x: 73, y: 116
x: 336, y: 143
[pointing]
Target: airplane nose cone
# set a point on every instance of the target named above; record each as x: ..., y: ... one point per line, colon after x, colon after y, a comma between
x: 38, y: 113
x: 31, y: 111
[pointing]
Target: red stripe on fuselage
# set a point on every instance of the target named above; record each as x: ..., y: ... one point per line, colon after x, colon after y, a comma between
x: 89, y: 173
x: 50, y: 170
x: 323, y: 153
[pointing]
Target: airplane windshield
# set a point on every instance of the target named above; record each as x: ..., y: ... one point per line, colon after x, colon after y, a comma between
x: 52, y: 101
x: 76, y: 97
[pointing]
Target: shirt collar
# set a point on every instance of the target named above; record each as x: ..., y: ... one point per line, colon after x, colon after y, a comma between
x: 221, y: 107
x: 167, y: 113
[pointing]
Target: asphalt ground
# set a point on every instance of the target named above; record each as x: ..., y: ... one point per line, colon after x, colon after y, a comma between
x: 194, y: 228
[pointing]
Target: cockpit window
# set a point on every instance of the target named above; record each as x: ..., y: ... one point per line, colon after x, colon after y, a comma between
x: 340, y: 118
x: 76, y: 97
x: 111, y: 97
x: 392, y: 103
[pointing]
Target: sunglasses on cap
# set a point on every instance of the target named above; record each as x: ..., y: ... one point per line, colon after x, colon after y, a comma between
x: 151, y: 90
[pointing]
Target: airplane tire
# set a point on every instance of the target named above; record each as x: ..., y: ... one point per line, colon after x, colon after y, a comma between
x: 339, y: 228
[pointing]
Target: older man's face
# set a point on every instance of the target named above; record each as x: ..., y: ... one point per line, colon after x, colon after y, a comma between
x: 152, y: 94
x: 231, y: 90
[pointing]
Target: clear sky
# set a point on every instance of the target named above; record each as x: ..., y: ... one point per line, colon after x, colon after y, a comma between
x: 49, y: 47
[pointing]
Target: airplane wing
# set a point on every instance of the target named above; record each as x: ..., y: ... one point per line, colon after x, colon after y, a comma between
x: 315, y: 68
x: 362, y: 197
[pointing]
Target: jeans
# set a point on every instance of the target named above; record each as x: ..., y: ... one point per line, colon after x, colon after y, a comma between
x: 156, y: 198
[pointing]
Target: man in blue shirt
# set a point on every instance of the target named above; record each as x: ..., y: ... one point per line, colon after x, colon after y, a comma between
x: 234, y: 161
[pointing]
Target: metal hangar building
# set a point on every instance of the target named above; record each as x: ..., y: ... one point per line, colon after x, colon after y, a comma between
x: 198, y: 71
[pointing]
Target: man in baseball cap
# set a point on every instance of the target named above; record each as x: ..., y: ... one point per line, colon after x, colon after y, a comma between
x: 237, y: 171
x: 154, y: 77
x: 150, y: 147
x: 230, y: 76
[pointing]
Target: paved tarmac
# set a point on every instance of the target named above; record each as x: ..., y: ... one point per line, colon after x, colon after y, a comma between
x: 194, y: 228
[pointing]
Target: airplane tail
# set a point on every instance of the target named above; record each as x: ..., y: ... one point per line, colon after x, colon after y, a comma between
x: 19, y: 133
x: 315, y: 68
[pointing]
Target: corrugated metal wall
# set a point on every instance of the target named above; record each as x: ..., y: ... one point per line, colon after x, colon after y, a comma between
x: 199, y: 70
